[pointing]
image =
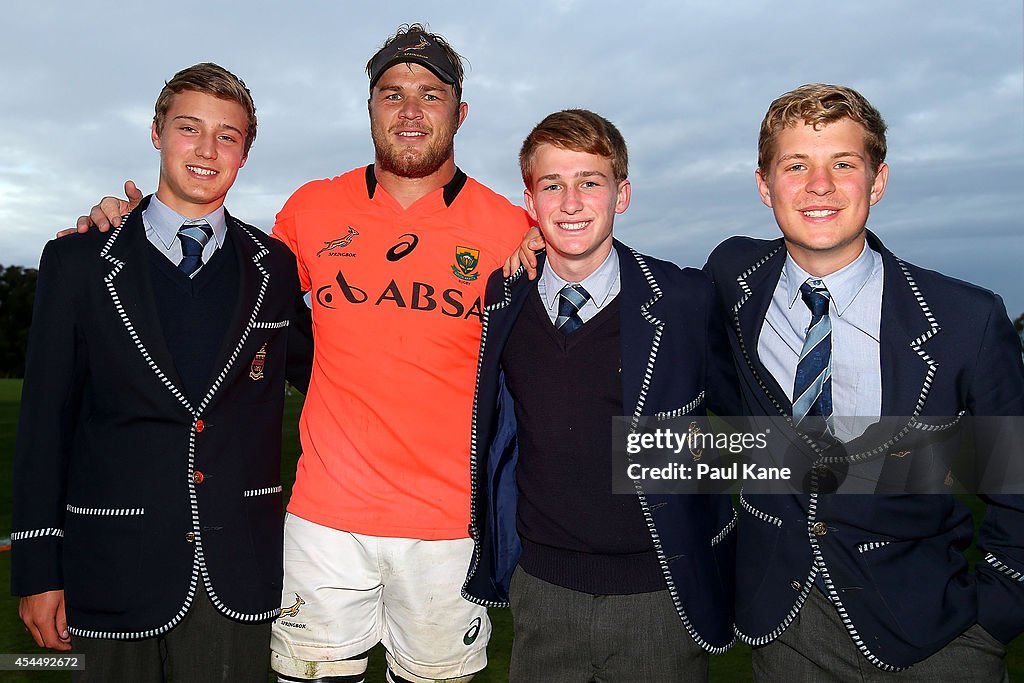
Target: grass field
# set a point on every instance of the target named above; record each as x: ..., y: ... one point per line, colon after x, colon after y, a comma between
x: 734, y: 666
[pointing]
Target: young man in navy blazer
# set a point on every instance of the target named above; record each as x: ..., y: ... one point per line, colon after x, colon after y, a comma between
x: 855, y: 587
x: 147, y: 522
x: 621, y: 587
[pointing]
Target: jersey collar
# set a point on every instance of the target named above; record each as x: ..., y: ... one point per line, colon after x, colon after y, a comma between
x: 451, y: 189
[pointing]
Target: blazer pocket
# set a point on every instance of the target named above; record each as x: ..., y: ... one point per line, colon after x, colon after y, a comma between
x: 265, y: 518
x: 682, y: 410
x: 747, y: 507
x: 271, y: 325
x: 910, y: 580
x: 761, y: 530
x: 259, y: 373
x: 102, y: 553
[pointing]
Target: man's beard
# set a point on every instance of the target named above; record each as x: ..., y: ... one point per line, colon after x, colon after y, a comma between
x: 409, y: 163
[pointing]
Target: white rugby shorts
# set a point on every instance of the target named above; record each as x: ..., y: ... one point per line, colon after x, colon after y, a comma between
x: 344, y: 593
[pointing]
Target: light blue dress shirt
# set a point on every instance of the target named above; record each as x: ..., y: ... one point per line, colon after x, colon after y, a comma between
x: 856, y: 313
x: 602, y: 285
x: 162, y: 223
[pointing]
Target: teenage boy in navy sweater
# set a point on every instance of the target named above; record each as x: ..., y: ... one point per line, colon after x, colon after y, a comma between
x: 621, y: 587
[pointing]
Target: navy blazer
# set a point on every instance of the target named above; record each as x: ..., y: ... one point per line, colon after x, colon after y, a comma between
x: 126, y: 492
x: 672, y: 354
x: 893, y: 565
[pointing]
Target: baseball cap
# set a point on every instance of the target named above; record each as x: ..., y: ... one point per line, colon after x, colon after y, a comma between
x: 413, y: 47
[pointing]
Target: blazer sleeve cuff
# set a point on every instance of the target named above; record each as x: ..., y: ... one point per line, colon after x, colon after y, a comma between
x: 36, y: 561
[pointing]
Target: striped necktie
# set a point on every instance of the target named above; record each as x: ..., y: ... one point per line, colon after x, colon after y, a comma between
x: 193, y: 237
x: 570, y: 300
x: 812, y: 386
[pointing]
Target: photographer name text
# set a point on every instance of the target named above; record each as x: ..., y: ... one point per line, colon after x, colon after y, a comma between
x: 708, y: 472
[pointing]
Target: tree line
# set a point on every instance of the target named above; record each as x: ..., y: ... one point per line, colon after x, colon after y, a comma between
x: 17, y: 292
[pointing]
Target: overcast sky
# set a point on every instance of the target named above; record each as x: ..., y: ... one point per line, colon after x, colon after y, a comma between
x: 687, y: 82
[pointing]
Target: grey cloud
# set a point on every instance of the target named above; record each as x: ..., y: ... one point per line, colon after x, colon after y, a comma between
x: 686, y: 82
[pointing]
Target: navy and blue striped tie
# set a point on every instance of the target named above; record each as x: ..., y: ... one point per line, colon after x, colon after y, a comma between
x: 193, y: 237
x: 812, y: 387
x: 570, y: 300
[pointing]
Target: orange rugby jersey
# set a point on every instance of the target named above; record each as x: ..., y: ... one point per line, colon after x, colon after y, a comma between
x: 397, y: 297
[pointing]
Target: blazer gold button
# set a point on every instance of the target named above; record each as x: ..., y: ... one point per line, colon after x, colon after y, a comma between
x: 190, y: 537
x: 819, y: 528
x: 197, y: 477
x: 795, y: 585
x: 200, y: 426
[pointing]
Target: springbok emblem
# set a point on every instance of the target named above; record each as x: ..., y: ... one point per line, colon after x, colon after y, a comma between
x: 340, y: 242
x: 294, y: 609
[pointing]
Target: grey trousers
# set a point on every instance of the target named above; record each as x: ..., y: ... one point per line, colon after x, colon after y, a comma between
x: 205, y: 646
x: 564, y: 636
x: 817, y: 647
